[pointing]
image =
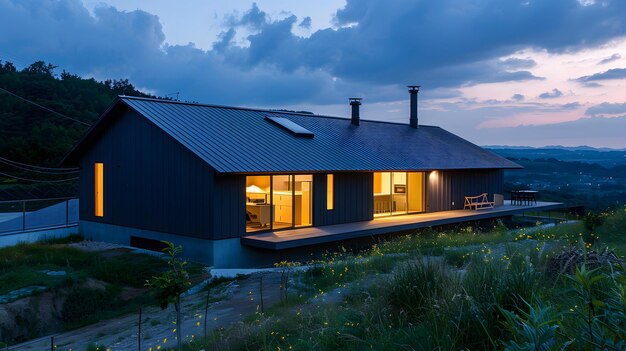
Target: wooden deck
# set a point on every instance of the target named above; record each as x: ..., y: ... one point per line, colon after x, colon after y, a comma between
x: 291, y: 238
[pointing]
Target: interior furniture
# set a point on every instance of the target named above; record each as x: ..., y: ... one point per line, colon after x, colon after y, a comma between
x: 261, y: 213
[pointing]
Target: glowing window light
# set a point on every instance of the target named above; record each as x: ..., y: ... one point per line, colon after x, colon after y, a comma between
x: 99, y: 189
x: 330, y: 192
x: 254, y: 189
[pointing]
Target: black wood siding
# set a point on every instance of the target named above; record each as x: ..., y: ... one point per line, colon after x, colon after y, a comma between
x: 443, y: 188
x: 151, y: 182
x: 229, y: 206
x: 354, y: 198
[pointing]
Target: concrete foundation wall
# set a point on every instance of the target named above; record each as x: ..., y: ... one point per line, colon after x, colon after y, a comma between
x: 225, y: 253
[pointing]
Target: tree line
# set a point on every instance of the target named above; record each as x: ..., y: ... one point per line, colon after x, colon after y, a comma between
x: 33, y: 135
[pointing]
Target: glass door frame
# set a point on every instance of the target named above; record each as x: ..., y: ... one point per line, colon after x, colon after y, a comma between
x: 292, y: 184
x: 392, y: 193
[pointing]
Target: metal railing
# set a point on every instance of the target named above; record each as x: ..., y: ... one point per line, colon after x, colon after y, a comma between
x: 31, y: 214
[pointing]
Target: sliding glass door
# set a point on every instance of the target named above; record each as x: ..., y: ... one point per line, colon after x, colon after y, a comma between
x: 258, y: 203
x: 397, y: 193
x: 287, y: 199
x: 303, y: 200
x: 416, y: 191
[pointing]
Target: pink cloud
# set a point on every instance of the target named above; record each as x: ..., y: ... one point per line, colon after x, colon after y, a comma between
x: 534, y: 118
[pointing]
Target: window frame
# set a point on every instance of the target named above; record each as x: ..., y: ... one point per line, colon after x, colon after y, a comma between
x: 99, y: 189
x: 330, y: 192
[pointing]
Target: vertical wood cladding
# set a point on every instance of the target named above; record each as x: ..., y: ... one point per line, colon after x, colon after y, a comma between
x: 154, y: 183
x: 151, y: 182
x: 229, y: 206
x: 354, y: 198
x: 446, y: 190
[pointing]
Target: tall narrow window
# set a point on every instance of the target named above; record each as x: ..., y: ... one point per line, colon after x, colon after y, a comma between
x: 99, y: 188
x: 330, y: 192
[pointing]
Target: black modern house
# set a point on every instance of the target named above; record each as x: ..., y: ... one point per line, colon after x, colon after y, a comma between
x: 233, y: 184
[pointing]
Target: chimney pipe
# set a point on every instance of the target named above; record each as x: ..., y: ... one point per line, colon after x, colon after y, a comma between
x: 355, y: 103
x: 413, y: 90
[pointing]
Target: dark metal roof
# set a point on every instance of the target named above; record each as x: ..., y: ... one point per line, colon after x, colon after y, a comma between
x: 240, y: 140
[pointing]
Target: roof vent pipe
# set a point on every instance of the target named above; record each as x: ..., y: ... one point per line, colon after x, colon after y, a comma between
x: 355, y: 103
x: 413, y: 90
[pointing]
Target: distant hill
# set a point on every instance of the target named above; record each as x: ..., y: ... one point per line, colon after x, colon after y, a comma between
x: 32, y: 135
x: 604, y: 157
x: 553, y: 147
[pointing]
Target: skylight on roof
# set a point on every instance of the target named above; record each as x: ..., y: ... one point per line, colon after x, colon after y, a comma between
x: 290, y: 126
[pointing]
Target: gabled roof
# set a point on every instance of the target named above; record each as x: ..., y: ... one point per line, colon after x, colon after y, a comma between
x: 241, y: 140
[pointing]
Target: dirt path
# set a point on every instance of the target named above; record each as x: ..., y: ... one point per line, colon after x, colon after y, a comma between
x: 120, y: 334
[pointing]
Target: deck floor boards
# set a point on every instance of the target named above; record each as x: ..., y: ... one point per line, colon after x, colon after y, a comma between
x: 297, y: 237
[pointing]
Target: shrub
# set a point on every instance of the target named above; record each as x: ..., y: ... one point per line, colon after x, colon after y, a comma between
x: 422, y: 285
x: 532, y: 330
x: 458, y: 257
x: 82, y: 303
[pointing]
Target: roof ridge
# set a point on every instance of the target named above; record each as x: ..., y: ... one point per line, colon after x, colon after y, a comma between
x: 259, y: 110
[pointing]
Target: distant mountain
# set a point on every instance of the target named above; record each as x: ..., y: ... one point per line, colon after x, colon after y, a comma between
x: 553, y: 147
x: 605, y: 157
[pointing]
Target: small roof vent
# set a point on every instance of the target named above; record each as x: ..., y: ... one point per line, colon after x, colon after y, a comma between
x: 290, y: 126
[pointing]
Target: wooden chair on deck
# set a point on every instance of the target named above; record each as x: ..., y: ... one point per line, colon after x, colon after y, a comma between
x: 478, y: 202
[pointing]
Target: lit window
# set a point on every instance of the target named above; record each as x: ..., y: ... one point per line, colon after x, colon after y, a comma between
x: 99, y: 188
x: 330, y: 192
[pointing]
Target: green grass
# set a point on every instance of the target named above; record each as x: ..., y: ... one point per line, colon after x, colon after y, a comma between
x: 21, y: 277
x: 72, y: 238
x: 434, y: 242
x: 613, y: 232
x: 500, y: 297
x: 21, y: 266
x: 337, y: 271
x: 124, y: 269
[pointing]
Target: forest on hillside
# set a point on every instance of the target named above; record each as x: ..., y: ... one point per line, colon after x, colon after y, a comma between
x: 34, y: 135
x: 43, y: 112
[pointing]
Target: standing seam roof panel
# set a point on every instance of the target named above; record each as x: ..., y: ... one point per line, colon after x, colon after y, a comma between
x: 236, y: 140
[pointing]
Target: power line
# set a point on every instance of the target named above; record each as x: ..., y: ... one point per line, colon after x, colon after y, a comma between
x: 13, y: 60
x: 11, y: 162
x: 36, y: 170
x: 45, y: 108
x: 38, y: 180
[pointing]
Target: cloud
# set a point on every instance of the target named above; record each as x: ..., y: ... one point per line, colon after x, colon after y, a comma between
x: 253, y: 18
x: 615, y: 73
x: 517, y: 97
x: 609, y: 59
x: 555, y: 93
x: 305, y: 23
x: 594, y: 131
x: 606, y: 108
x: 517, y: 63
x: 375, y: 49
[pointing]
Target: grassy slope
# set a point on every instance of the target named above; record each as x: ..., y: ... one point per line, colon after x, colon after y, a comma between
x: 24, y: 265
x: 395, y: 298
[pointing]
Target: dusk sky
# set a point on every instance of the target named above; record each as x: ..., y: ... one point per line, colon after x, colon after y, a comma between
x: 507, y: 72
